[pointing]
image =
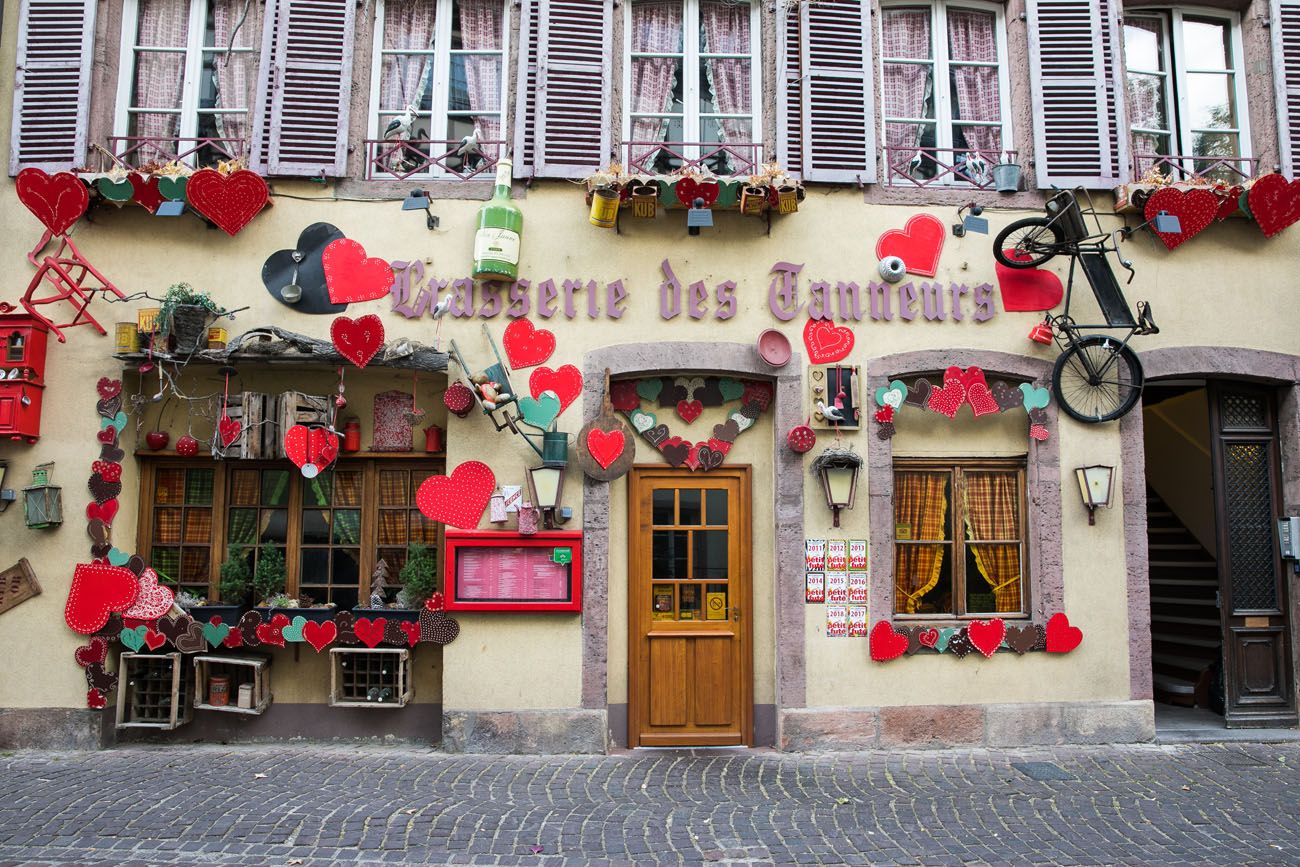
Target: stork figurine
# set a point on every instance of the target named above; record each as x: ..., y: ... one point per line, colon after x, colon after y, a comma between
x: 833, y: 414
x: 399, y: 131
x: 469, y: 150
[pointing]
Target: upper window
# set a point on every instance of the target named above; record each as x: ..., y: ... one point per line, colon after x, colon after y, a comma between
x: 1186, y: 94
x: 691, y: 83
x: 944, y: 91
x: 187, y: 68
x: 439, y: 79
x: 959, y: 538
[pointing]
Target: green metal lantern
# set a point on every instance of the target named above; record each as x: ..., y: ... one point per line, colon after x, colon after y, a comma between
x: 42, y: 501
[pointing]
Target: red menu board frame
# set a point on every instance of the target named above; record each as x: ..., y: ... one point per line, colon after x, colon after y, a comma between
x: 459, y: 543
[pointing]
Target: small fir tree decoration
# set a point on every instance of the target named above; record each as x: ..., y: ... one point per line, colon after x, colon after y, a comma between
x: 378, y: 584
x: 268, y: 575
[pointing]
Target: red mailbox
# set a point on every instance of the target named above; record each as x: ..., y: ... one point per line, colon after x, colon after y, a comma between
x: 22, y: 376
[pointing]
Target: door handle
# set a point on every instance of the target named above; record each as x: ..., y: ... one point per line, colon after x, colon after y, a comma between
x: 735, y: 612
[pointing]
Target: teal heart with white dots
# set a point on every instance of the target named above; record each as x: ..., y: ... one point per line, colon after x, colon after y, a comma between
x: 133, y: 638
x: 118, y: 421
x: 293, y: 632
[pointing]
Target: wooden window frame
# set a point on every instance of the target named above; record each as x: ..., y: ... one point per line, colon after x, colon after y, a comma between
x: 370, y: 466
x: 957, y: 543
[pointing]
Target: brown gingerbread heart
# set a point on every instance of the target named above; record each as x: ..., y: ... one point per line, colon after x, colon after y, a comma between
x: 727, y: 431
x: 1022, y: 639
x: 192, y: 640
x: 102, y: 489
x: 918, y: 394
x: 347, y: 636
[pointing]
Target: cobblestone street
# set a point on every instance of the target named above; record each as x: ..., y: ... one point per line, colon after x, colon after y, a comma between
x: 328, y: 804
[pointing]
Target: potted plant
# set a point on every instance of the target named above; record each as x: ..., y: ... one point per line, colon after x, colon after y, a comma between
x: 419, y: 576
x: 232, y: 591
x: 185, y: 314
x: 268, y: 581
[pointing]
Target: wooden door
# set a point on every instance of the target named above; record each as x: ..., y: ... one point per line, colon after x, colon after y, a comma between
x: 690, y: 677
x: 1254, y: 608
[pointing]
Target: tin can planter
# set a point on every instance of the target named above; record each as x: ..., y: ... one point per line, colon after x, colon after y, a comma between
x: 788, y: 198
x: 645, y: 201
x: 604, y: 208
x: 1006, y: 177
x: 753, y: 198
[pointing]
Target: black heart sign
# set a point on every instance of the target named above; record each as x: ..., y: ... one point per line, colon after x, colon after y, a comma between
x: 102, y: 489
x: 279, y: 271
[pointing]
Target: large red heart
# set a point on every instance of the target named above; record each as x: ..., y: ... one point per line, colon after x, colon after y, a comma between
x: 1274, y: 203
x: 459, y: 499
x: 1027, y: 289
x: 358, y: 340
x: 1061, y: 636
x: 104, y: 511
x: 412, y: 631
x: 231, y: 201
x: 1195, y: 210
x: 98, y: 590
x: 153, y: 600
x: 351, y: 276
x: 320, y: 635
x: 228, y: 429
x: 886, y: 644
x: 370, y: 632
x: 918, y: 244
x: 689, y: 189
x: 93, y: 653
x: 987, y: 635
x: 826, y: 341
x: 311, y: 449
x: 57, y: 200
x: 145, y: 191
x: 948, y: 399
x: 566, y: 382
x: 605, y: 446
x: 527, y: 346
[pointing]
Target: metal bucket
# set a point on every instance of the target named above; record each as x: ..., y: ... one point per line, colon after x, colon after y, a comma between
x: 604, y: 208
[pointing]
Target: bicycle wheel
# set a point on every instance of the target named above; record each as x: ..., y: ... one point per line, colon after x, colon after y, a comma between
x: 1097, y: 379
x: 1032, y: 241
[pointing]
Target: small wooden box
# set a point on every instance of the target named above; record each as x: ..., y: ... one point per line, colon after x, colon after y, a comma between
x: 153, y: 691
x: 146, y: 319
x: 370, y: 678
x: 251, y: 670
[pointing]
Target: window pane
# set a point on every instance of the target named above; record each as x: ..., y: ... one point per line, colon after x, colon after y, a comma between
x: 716, y: 506
x: 224, y: 83
x: 423, y: 530
x: 315, y: 566
x: 167, y: 526
x: 972, y: 36
x: 315, y: 527
x: 975, y: 93
x: 1209, y: 101
x: 906, y: 33
x: 1146, y: 100
x: 198, y: 526
x: 159, y: 82
x: 275, y: 526
x: 922, y: 579
x: 244, y: 487
x: 669, y: 554
x: 347, y: 567
x: 710, y: 561
x: 169, y: 487
x: 396, y: 559
x: 392, y: 527
x: 194, y: 565
x: 475, y: 83
x: 655, y: 86
x: 689, y: 502
x: 392, y: 488
x: 1144, y: 43
x: 656, y: 27
x: 908, y: 90
x: 275, y: 487
x: 408, y: 24
x: 347, y: 527
x: 724, y: 27
x: 164, y: 23
x: 347, y: 489
x: 992, y: 579
x: 1206, y: 44
x: 198, y: 487
x: 921, y: 505
x: 662, y: 508
x: 992, y: 506
x: 224, y: 16
x: 317, y: 491
x: 477, y: 26
x: 167, y: 563
x: 1215, y: 144
x: 241, y: 527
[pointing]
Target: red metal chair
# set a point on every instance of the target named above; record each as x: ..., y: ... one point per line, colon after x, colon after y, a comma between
x: 67, y: 272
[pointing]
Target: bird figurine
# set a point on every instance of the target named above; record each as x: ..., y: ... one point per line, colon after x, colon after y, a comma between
x: 444, y: 304
x: 832, y: 414
x: 400, y: 126
x: 469, y: 150
x: 915, y: 165
x: 975, y: 167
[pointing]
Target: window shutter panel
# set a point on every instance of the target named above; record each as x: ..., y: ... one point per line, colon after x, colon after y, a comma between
x: 52, y: 84
x: 525, y: 154
x: 789, y: 93
x: 1286, y: 78
x: 572, y: 119
x: 838, y: 138
x: 1112, y: 49
x: 1074, y: 78
x: 312, y: 88
x: 259, y: 149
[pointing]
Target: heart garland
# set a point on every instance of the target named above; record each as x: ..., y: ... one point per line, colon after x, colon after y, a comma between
x: 708, y: 454
x: 960, y: 388
x: 983, y: 636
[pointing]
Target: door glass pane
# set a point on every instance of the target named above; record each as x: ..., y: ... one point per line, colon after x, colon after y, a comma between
x: 711, y: 555
x: 662, y: 506
x: 715, y: 602
x: 716, y: 507
x: 315, y: 527
x: 669, y: 554
x: 689, y: 507
x: 663, y: 602
x: 1248, y: 501
x: 688, y: 601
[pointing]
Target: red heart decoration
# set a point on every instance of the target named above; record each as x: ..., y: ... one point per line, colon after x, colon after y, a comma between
x: 436, y: 601
x: 566, y: 382
x: 826, y: 341
x: 228, y: 430
x: 57, y: 200
x: 605, y: 446
x: 527, y: 346
x: 310, y: 449
x: 928, y: 637
x: 1038, y: 432
x: 110, y: 471
x: 108, y: 388
x: 757, y: 392
x: 1027, y: 289
x: 97, y: 591
x: 145, y: 191
x: 370, y: 632
x: 231, y: 201
x: 689, y: 189
x: 987, y: 635
x: 104, y: 511
x: 977, y: 392
x: 918, y: 244
x: 153, y: 600
x: 1274, y: 203
x: 689, y: 410
x: 1195, y: 210
x: 235, y: 638
x: 885, y: 414
x: 1061, y: 636
x: 320, y: 635
x: 358, y: 340
x: 1229, y: 203
x: 412, y: 630
x: 886, y: 644
x: 271, y: 633
x: 948, y: 399
x: 95, y: 699
x: 352, y: 276
x: 719, y: 446
x: 93, y: 653
x: 154, y: 639
x: 459, y: 499
x: 107, y: 436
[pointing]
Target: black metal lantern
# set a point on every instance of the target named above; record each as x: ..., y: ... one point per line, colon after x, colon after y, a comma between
x: 546, y: 483
x: 42, y: 501
x: 838, y: 468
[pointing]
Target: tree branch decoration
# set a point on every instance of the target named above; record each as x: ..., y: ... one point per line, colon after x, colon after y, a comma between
x: 962, y: 388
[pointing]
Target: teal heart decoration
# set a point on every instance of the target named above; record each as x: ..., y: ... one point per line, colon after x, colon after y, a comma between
x: 540, y: 412
x: 215, y: 633
x: 891, y: 395
x: 642, y: 421
x: 945, y: 635
x: 648, y: 389
x: 118, y: 557
x: 1035, y: 398
x: 731, y: 389
x: 115, y: 191
x: 118, y: 421
x: 667, y: 194
x: 293, y: 632
x: 743, y: 422
x: 173, y: 187
x: 133, y: 638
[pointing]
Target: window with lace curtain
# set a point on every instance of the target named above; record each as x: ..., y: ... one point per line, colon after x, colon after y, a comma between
x: 438, y: 79
x: 691, y: 83
x: 944, y: 91
x: 187, y: 66
x: 1186, y: 94
x: 959, y: 538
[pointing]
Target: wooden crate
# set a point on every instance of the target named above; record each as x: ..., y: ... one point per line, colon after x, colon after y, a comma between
x: 294, y: 407
x: 370, y: 678
x: 18, y: 584
x: 249, y: 408
x: 153, y: 691
x: 241, y: 670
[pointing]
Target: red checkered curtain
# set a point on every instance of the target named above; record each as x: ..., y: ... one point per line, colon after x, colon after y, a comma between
x: 992, y: 502
x: 921, y: 502
x: 160, y: 74
x: 405, y: 78
x: 656, y: 29
x: 232, y: 71
x: 726, y: 31
x: 481, y: 30
x: 971, y: 38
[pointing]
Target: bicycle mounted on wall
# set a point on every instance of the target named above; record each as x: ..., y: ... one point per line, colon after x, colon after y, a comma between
x: 1097, y: 377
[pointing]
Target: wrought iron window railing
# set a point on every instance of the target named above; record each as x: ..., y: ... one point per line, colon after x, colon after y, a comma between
x: 938, y: 167
x: 135, y: 151
x: 399, y: 159
x: 1191, y: 167
x: 722, y: 159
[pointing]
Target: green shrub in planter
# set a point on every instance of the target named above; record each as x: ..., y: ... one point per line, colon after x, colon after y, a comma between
x: 419, y: 575
x: 268, y: 577
x: 236, y: 577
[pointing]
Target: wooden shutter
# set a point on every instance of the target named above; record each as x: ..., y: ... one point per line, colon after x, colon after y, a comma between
x: 1286, y: 79
x: 789, y: 89
x: 259, y: 148
x: 573, y: 115
x: 312, y: 87
x: 525, y: 153
x: 52, y: 84
x: 837, y: 107
x: 1074, y: 77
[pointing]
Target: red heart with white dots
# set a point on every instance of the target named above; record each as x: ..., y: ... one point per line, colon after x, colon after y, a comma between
x: 949, y: 398
x: 108, y: 388
x: 110, y: 471
x: 1195, y: 210
x: 689, y: 410
x: 458, y: 499
x: 886, y: 644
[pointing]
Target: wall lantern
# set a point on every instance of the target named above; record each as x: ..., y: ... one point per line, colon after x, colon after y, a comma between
x: 7, y: 495
x: 43, y: 502
x: 418, y: 200
x: 838, y: 469
x: 1095, y: 488
x: 546, y: 483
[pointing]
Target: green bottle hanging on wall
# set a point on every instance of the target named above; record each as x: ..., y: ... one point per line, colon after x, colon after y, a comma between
x: 496, y: 243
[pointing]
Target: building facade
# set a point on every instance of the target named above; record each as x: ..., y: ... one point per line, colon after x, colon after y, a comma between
x: 810, y: 484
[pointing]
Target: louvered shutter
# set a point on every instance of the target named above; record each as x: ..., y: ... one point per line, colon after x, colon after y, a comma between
x: 52, y: 84
x: 525, y: 153
x: 312, y: 88
x: 572, y: 116
x: 259, y: 149
x: 1286, y: 77
x: 837, y: 107
x: 789, y: 89
x: 1074, y: 77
